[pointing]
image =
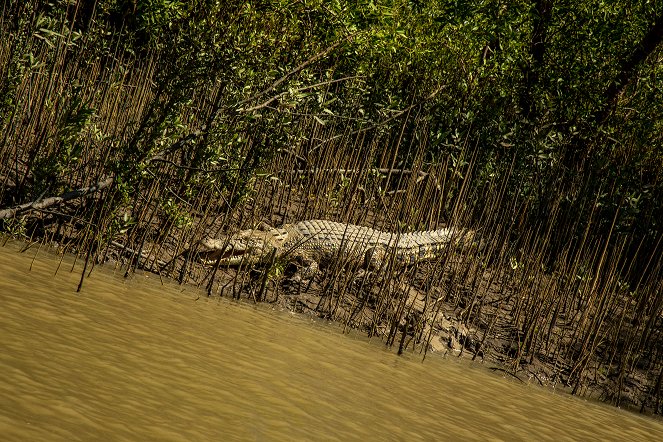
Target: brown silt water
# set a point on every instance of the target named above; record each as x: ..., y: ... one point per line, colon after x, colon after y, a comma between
x: 135, y: 359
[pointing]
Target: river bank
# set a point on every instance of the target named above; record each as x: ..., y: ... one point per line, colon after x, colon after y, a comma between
x: 139, y: 358
x: 429, y: 322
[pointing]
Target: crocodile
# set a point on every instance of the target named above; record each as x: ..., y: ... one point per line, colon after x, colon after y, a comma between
x: 313, y: 242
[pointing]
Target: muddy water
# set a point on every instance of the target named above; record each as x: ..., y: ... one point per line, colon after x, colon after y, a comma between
x: 138, y: 360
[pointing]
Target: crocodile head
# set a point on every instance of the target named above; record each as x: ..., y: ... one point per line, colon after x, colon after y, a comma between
x: 247, y: 247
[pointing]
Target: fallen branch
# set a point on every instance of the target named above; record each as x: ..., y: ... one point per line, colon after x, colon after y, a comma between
x: 40, y: 204
x: 54, y: 200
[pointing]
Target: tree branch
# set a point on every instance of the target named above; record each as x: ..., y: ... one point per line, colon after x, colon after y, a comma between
x: 304, y: 88
x: 299, y: 68
x: 629, y: 68
x: 54, y: 200
x: 385, y: 121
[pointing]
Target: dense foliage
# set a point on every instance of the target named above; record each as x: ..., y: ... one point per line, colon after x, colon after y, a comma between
x: 557, y: 87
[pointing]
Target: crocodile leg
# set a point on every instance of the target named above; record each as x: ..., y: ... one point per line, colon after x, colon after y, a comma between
x: 374, y: 258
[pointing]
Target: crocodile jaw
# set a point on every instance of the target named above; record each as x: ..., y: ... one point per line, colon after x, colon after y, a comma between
x: 245, y: 247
